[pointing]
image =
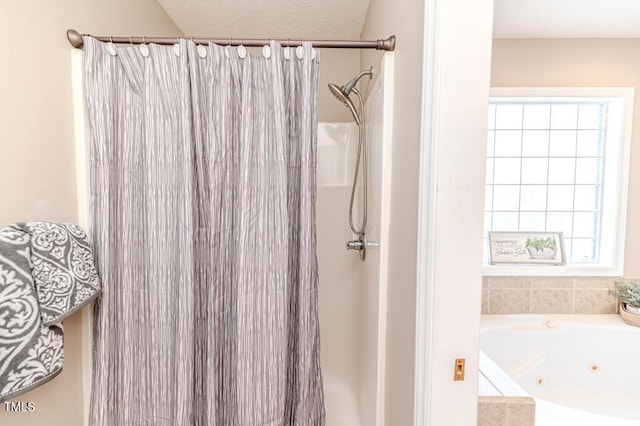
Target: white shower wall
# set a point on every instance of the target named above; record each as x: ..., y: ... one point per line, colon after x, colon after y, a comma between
x: 353, y: 293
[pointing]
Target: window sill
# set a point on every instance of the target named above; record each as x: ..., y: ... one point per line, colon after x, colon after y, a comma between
x: 551, y: 270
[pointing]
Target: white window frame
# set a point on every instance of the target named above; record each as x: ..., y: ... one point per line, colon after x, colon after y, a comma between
x: 616, y: 174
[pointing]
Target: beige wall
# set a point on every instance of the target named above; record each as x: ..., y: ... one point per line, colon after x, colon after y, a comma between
x: 569, y: 62
x: 37, y: 176
x: 581, y: 62
x: 37, y: 172
x: 405, y: 19
x: 336, y: 66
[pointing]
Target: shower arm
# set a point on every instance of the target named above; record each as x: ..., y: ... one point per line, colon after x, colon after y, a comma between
x: 351, y: 85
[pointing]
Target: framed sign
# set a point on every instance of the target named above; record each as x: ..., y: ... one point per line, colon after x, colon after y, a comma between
x: 527, y: 247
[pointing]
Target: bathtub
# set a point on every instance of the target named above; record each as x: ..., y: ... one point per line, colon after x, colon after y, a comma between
x: 580, y: 369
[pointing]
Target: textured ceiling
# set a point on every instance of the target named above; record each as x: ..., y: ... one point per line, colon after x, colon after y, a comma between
x: 300, y: 19
x: 566, y: 18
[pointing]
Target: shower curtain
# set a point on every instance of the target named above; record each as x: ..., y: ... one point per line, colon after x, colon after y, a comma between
x: 203, y: 195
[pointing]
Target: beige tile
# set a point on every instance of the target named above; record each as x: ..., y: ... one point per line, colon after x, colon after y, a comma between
x: 551, y: 282
x: 594, y: 282
x: 521, y: 412
x: 509, y: 301
x: 551, y: 301
x: 508, y: 282
x: 485, y: 282
x: 491, y: 412
x: 594, y: 302
x: 485, y: 301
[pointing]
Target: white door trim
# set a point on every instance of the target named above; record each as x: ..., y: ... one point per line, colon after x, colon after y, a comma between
x: 426, y: 208
x: 456, y: 81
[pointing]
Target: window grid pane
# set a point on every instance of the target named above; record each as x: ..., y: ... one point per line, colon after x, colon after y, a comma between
x: 544, y: 171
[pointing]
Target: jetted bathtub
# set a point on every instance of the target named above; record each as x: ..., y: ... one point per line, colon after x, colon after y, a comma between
x: 581, y: 369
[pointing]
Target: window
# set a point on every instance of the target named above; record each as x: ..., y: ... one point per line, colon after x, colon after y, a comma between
x: 557, y: 160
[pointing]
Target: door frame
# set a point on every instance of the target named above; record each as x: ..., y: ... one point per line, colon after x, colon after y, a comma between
x: 457, y: 39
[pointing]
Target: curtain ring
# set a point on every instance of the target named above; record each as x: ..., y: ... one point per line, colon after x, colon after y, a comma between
x: 111, y: 48
x: 227, y: 49
x: 287, y: 50
x: 300, y: 50
x: 242, y: 51
x: 144, y: 49
x: 130, y: 42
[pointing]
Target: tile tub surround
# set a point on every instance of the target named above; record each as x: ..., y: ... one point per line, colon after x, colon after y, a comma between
x: 501, y: 401
x: 506, y: 411
x: 548, y: 295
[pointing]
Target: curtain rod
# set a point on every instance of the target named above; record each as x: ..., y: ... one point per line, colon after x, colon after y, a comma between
x: 75, y: 38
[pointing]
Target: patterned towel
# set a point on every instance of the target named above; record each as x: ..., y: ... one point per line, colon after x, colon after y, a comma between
x: 46, y: 273
x: 63, y: 269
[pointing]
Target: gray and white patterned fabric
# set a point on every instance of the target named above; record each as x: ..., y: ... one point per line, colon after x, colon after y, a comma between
x: 31, y: 339
x: 203, y: 188
x: 63, y: 270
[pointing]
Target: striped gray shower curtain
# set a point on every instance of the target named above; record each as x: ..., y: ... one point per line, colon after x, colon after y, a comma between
x: 203, y: 194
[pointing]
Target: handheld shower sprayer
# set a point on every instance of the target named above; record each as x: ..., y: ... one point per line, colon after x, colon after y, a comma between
x: 342, y: 94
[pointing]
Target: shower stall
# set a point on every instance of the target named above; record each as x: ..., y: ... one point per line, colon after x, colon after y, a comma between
x: 352, y: 295
x: 352, y: 302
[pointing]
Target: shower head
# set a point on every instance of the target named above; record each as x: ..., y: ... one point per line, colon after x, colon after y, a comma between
x: 343, y: 97
x: 342, y: 92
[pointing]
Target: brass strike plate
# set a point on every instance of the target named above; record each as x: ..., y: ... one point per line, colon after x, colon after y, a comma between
x: 458, y: 370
